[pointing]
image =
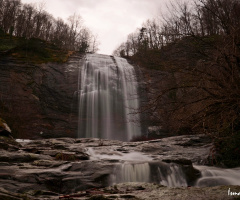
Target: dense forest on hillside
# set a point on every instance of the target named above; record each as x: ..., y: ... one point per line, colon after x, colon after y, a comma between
x: 32, y: 21
x: 197, y: 48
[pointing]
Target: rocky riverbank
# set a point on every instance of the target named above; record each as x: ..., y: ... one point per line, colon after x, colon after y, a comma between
x: 134, y: 191
x: 51, y: 168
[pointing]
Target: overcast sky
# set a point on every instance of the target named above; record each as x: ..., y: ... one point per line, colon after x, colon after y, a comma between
x: 110, y: 20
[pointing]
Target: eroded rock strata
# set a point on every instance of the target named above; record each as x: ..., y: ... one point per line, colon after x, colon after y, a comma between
x: 50, y: 168
x: 36, y: 99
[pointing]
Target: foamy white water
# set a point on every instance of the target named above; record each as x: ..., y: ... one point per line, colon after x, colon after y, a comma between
x: 107, y: 97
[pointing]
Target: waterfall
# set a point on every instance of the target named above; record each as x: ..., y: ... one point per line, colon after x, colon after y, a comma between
x: 107, y: 97
x: 131, y: 172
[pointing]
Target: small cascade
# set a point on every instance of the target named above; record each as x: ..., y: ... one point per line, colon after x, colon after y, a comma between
x: 212, y: 176
x: 131, y: 172
x: 107, y: 98
x: 138, y: 167
x: 172, y: 176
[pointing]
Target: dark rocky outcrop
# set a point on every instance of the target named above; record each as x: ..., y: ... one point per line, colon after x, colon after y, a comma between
x: 36, y: 99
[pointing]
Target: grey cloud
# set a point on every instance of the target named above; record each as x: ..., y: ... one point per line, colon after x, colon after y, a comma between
x: 112, y: 20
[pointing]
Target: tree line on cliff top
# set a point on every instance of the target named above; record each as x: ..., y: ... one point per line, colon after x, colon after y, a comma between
x: 197, y: 45
x: 32, y: 21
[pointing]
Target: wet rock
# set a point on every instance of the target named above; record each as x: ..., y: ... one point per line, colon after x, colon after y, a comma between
x: 180, y: 161
x: 74, y: 184
x: 155, y: 192
x: 8, y: 143
x: 4, y: 146
x: 67, y: 165
x: 210, y: 182
x: 49, y: 152
x: 82, y: 156
x: 123, y: 150
x: 59, y: 146
x: 55, y: 183
x: 31, y: 150
x: 65, y: 156
x: 45, y: 163
x: 130, y: 191
x: 19, y: 157
x: 191, y: 174
x: 6, y: 195
x: 151, y: 148
x: 77, y: 166
x: 42, y: 193
x: 64, y: 140
x: 26, y: 178
x: 4, y: 164
x: 196, y: 141
x: 71, y: 156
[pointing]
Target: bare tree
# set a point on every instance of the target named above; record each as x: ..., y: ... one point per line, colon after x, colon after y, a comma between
x: 198, y: 63
x: 27, y: 20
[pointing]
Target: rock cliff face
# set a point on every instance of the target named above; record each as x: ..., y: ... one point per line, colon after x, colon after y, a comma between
x: 39, y: 100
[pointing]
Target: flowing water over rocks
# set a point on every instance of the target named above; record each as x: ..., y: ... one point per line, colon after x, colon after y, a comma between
x: 107, y: 97
x: 52, y: 167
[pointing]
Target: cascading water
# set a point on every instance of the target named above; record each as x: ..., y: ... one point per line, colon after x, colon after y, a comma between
x: 107, y: 97
x: 131, y: 172
x: 173, y: 176
x: 170, y: 175
x: 212, y: 176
